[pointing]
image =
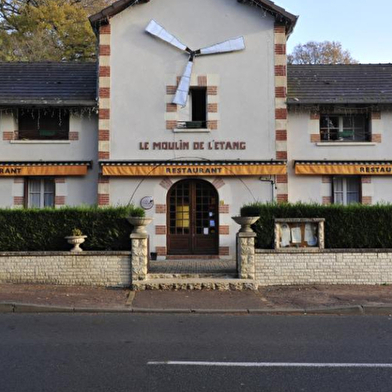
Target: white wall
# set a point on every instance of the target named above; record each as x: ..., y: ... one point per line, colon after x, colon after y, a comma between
x: 300, y: 147
x: 236, y: 192
x: 77, y: 190
x: 6, y: 192
x: 141, y: 67
x: 324, y: 267
x: 108, y: 269
x: 83, y: 149
x: 382, y: 189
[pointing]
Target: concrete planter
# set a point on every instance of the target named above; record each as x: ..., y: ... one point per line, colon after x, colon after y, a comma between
x: 76, y: 241
x: 245, y: 222
x: 139, y: 224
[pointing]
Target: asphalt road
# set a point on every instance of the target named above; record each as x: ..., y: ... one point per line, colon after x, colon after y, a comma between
x: 127, y: 352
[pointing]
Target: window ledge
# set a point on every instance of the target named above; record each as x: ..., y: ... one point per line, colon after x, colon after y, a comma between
x: 191, y: 130
x: 40, y: 141
x: 345, y: 144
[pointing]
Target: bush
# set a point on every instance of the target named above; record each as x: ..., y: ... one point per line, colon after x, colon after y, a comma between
x: 45, y: 229
x: 353, y: 226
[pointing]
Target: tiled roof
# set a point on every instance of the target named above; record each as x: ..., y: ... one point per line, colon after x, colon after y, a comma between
x: 74, y: 84
x: 278, y: 12
x: 48, y: 83
x: 340, y: 84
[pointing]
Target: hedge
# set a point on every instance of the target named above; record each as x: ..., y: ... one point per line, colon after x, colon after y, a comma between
x: 45, y: 229
x: 353, y: 226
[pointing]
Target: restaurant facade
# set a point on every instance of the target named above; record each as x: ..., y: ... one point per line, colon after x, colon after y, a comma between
x: 192, y: 135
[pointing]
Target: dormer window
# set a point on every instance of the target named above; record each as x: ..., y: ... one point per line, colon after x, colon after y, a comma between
x: 345, y: 128
x: 50, y: 124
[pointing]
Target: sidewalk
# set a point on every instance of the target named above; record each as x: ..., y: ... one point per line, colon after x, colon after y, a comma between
x: 316, y: 299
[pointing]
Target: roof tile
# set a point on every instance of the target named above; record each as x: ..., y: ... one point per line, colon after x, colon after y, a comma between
x: 341, y: 83
x: 66, y: 84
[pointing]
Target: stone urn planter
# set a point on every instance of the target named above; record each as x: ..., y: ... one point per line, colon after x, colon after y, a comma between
x: 245, y: 222
x: 76, y: 241
x: 139, y: 224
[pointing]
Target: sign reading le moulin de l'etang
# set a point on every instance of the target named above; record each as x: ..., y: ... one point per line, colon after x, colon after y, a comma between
x: 181, y: 145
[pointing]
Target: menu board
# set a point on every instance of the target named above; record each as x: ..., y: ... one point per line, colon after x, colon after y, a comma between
x: 298, y: 235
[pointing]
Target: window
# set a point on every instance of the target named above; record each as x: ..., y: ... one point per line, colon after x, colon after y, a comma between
x: 194, y: 115
x: 43, y: 125
x: 40, y: 192
x: 346, y: 190
x: 344, y: 128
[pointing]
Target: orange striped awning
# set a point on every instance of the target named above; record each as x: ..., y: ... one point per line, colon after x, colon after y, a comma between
x: 19, y: 169
x: 357, y: 168
x: 193, y: 169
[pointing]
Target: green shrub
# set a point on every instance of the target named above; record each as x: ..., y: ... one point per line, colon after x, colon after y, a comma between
x: 353, y: 226
x: 45, y: 229
x: 138, y: 212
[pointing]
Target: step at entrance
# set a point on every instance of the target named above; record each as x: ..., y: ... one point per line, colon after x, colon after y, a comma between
x: 194, y: 274
x: 193, y: 267
x: 195, y: 284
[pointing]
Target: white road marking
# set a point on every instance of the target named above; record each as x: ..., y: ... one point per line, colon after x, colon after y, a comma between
x: 273, y: 364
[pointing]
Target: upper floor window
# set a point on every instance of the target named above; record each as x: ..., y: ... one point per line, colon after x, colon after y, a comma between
x: 345, y: 128
x: 194, y: 115
x: 51, y: 124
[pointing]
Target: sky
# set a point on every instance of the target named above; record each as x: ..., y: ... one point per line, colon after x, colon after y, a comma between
x: 363, y: 27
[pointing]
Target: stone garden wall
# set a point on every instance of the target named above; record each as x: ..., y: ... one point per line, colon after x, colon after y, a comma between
x: 323, y: 267
x: 109, y: 269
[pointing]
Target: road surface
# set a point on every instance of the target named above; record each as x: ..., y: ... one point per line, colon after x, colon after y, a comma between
x: 173, y: 352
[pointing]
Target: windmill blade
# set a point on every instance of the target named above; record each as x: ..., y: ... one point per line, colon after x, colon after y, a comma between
x: 158, y: 31
x: 232, y: 45
x: 182, y: 92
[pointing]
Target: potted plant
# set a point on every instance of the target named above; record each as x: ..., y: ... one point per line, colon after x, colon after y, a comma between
x: 76, y: 239
x: 139, y: 221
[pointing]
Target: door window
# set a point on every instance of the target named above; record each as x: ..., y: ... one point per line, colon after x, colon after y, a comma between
x: 193, y: 218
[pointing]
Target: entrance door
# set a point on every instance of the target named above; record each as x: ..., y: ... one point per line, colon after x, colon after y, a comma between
x: 193, y: 219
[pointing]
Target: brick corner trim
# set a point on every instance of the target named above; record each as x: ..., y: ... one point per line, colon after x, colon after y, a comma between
x: 7, y: 136
x: 281, y: 112
x: 224, y: 251
x: 104, y: 94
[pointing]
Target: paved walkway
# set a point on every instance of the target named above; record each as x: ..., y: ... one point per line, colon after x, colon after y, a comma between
x: 290, y: 300
x: 193, y: 267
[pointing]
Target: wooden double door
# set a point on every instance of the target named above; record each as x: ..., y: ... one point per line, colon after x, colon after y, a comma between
x: 193, y: 219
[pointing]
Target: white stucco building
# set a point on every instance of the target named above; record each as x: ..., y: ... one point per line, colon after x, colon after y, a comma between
x: 253, y: 128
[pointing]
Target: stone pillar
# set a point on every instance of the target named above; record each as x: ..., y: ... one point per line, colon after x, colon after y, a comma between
x: 139, y: 256
x: 246, y: 255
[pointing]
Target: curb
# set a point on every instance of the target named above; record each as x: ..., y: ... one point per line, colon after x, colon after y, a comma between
x: 147, y: 310
x: 357, y: 310
x: 281, y: 311
x: 350, y: 310
x: 382, y: 310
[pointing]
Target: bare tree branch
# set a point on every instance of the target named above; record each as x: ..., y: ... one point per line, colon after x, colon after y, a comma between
x: 327, y: 52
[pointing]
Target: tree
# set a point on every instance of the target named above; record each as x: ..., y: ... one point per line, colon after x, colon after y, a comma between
x: 53, y: 30
x: 327, y: 52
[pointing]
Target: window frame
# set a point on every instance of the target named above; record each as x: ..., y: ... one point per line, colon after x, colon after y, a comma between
x: 358, y: 178
x: 30, y: 127
x: 193, y: 123
x: 325, y: 133
x: 27, y: 203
